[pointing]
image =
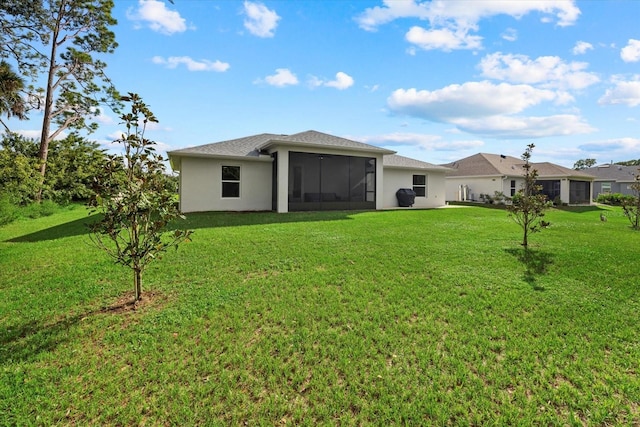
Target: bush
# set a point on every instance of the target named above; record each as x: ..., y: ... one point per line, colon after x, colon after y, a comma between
x: 8, y: 211
x: 614, y: 199
x: 37, y: 210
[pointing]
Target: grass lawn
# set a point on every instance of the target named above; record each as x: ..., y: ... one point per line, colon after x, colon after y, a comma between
x: 418, y: 317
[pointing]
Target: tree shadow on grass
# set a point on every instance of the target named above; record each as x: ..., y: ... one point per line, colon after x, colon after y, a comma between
x: 193, y: 221
x: 24, y: 342
x: 535, y: 264
x: 68, y: 229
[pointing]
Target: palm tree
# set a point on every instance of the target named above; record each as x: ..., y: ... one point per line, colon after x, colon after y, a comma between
x: 11, y: 102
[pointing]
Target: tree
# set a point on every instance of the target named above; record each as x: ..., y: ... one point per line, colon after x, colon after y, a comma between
x: 73, y: 33
x: 529, y: 204
x: 629, y: 163
x: 631, y: 207
x: 583, y: 164
x: 74, y: 163
x: 18, y: 169
x: 11, y: 102
x: 136, y: 200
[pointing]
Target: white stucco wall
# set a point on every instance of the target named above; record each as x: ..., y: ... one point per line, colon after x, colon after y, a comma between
x: 201, y: 185
x: 476, y: 187
x: 395, y: 179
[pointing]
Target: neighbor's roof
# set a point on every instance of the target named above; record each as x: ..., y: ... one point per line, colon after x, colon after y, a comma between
x: 484, y: 164
x: 612, y: 172
x: 401, y: 162
x: 251, y: 146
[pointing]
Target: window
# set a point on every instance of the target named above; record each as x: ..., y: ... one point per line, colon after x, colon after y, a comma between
x: 513, y: 187
x: 420, y: 185
x: 231, y: 181
x: 606, y: 187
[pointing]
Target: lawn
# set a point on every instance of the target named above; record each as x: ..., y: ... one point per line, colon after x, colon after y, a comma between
x: 416, y: 317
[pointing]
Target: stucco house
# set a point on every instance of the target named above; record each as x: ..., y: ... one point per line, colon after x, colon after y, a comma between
x: 484, y: 173
x: 610, y: 178
x: 305, y: 171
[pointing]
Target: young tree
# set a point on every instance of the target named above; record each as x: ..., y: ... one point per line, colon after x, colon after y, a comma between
x: 61, y: 39
x: 136, y: 200
x: 529, y: 204
x: 631, y: 207
x: 583, y: 164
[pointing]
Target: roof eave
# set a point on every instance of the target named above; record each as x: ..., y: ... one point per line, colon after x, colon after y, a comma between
x: 275, y: 142
x: 260, y: 158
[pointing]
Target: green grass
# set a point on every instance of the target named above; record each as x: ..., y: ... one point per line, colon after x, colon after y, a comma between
x: 433, y: 317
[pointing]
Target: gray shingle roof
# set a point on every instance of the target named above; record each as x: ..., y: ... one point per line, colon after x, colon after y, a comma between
x: 318, y: 139
x: 250, y: 146
x: 483, y: 164
x: 618, y: 173
x: 240, y: 147
x: 396, y: 161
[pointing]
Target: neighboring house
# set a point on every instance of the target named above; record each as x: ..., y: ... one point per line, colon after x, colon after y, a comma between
x: 610, y: 178
x: 483, y: 174
x: 305, y: 171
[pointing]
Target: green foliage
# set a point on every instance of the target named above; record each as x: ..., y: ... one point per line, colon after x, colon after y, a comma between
x: 11, y: 102
x: 631, y: 206
x: 74, y: 163
x: 584, y: 163
x: 614, y: 199
x: 528, y: 205
x: 8, y: 211
x: 74, y: 34
x: 136, y: 199
x: 629, y: 163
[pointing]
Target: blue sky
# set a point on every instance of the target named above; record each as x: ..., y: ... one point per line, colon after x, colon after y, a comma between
x: 432, y: 80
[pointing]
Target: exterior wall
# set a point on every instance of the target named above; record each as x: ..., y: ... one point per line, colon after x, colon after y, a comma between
x: 201, y: 185
x: 395, y: 179
x: 478, y: 186
x: 616, y: 187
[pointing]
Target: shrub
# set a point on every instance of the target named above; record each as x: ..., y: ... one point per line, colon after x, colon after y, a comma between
x: 8, y: 211
x: 38, y: 210
x: 614, y: 199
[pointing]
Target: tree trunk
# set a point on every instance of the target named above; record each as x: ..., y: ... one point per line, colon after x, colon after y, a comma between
x: 137, y: 284
x: 48, y: 105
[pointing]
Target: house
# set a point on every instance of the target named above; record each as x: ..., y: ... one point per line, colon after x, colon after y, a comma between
x: 610, y: 178
x: 305, y: 171
x: 484, y: 174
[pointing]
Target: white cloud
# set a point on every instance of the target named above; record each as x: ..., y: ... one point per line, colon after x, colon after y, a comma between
x: 444, y: 39
x: 341, y: 82
x: 489, y: 109
x: 546, y: 71
x: 631, y: 52
x: 158, y: 17
x: 422, y: 141
x: 451, y: 21
x: 260, y: 21
x: 581, y: 48
x: 36, y: 133
x: 623, y: 148
x: 102, y: 118
x: 514, y: 127
x: 510, y: 35
x: 191, y: 64
x: 625, y: 92
x: 283, y: 77
x: 472, y: 99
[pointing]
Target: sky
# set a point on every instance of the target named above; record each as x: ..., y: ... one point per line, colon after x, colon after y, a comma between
x: 433, y: 80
